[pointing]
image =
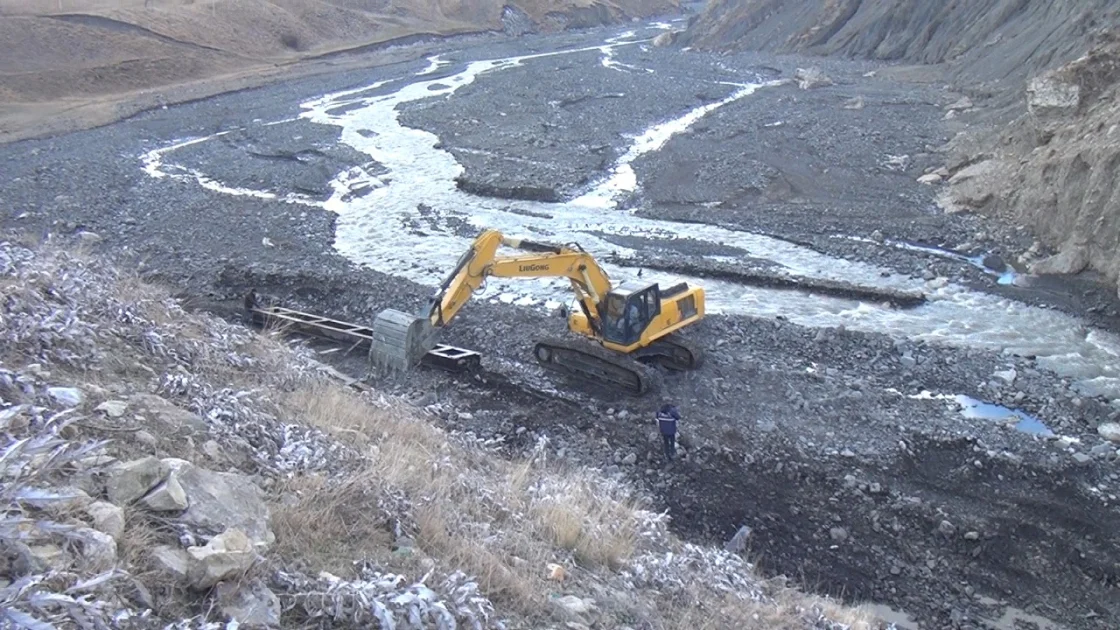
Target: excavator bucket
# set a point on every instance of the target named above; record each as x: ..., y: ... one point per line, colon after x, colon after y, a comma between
x: 399, y: 341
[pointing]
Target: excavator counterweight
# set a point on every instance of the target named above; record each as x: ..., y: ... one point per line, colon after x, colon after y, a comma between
x: 626, y: 330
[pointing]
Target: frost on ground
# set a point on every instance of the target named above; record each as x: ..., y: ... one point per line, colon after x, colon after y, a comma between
x: 166, y: 470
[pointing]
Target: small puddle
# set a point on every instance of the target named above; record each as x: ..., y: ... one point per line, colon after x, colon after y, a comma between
x: 1010, y: 619
x: 973, y: 408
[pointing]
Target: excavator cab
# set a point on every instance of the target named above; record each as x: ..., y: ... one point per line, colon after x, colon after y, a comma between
x: 627, y: 311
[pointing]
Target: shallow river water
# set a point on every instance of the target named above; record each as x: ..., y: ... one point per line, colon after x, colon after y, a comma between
x: 419, y: 188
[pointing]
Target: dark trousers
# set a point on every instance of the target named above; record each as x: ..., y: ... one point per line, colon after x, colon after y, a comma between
x: 670, y: 446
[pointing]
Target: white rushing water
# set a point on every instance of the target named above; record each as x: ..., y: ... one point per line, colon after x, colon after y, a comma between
x: 386, y: 230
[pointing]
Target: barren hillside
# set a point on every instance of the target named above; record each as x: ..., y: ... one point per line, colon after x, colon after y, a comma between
x: 1034, y: 140
x: 65, y: 53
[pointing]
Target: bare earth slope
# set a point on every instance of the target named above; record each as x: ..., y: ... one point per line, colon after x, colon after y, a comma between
x: 1038, y: 153
x: 62, y: 55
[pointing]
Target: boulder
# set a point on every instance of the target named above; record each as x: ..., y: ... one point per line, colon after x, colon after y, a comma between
x: 168, y: 496
x: 107, y: 518
x: 962, y: 104
x: 974, y: 186
x: 809, y: 78
x: 99, y: 550
x: 664, y: 39
x: 223, y: 500
x: 166, y: 420
x: 1109, y: 431
x: 65, y: 396
x: 129, y: 481
x: 251, y: 605
x: 574, y: 608
x: 227, y: 556
x: 47, y: 557
x: 113, y: 408
x: 1070, y: 260
x: 172, y: 562
x: 1051, y: 101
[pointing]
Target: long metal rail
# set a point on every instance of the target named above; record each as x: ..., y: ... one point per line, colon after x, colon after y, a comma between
x: 443, y: 356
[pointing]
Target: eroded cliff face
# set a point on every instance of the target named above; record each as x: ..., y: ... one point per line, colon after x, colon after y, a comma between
x: 1056, y: 167
x: 987, y: 39
x: 1043, y: 146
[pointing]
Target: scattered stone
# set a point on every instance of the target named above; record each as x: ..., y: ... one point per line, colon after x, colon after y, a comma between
x: 223, y: 500
x: 168, y: 496
x: 173, y: 562
x: 630, y: 459
x: 66, y: 396
x: 1006, y: 375
x: 89, y: 238
x: 228, y: 555
x: 738, y: 542
x: 962, y: 104
x: 147, y: 439
x: 129, y: 481
x: 1109, y: 431
x: 972, y: 536
x: 853, y: 103
x: 664, y: 39
x: 46, y: 557
x: 946, y: 528
x: 839, y: 534
x: 930, y: 179
x: 251, y: 605
x: 107, y: 518
x: 113, y: 408
x: 99, y: 550
x: 572, y: 606
x: 1101, y: 450
x: 1082, y: 459
x: 809, y: 78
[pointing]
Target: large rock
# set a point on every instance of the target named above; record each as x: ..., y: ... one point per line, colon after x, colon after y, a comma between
x: 106, y: 518
x: 251, y: 605
x: 165, y: 419
x: 1110, y: 431
x: 227, y: 556
x: 99, y: 550
x: 129, y: 481
x: 175, y: 563
x: 809, y: 78
x: 974, y: 186
x: 222, y: 500
x: 66, y: 396
x: 1052, y: 101
x: 168, y: 496
x: 1070, y: 260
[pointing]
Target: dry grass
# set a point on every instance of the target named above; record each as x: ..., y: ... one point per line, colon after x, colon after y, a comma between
x: 501, y: 521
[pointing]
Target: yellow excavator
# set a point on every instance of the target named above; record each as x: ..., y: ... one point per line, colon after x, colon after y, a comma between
x: 624, y: 329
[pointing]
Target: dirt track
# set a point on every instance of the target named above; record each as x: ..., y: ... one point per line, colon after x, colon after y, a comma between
x: 807, y: 434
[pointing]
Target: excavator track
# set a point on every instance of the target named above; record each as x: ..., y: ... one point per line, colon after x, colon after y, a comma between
x: 595, y: 364
x: 673, y: 352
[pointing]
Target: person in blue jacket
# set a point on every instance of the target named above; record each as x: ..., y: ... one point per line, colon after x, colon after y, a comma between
x: 667, y: 419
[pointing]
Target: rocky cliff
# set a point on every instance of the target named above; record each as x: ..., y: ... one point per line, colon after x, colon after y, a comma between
x: 1036, y: 145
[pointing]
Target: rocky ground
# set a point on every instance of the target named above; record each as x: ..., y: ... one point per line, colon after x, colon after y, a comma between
x: 809, y: 437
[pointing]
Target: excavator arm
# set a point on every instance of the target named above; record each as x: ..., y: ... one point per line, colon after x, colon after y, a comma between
x: 400, y: 340
x: 589, y: 281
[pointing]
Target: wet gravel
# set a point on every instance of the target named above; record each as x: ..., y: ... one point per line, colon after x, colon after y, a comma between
x: 808, y: 436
